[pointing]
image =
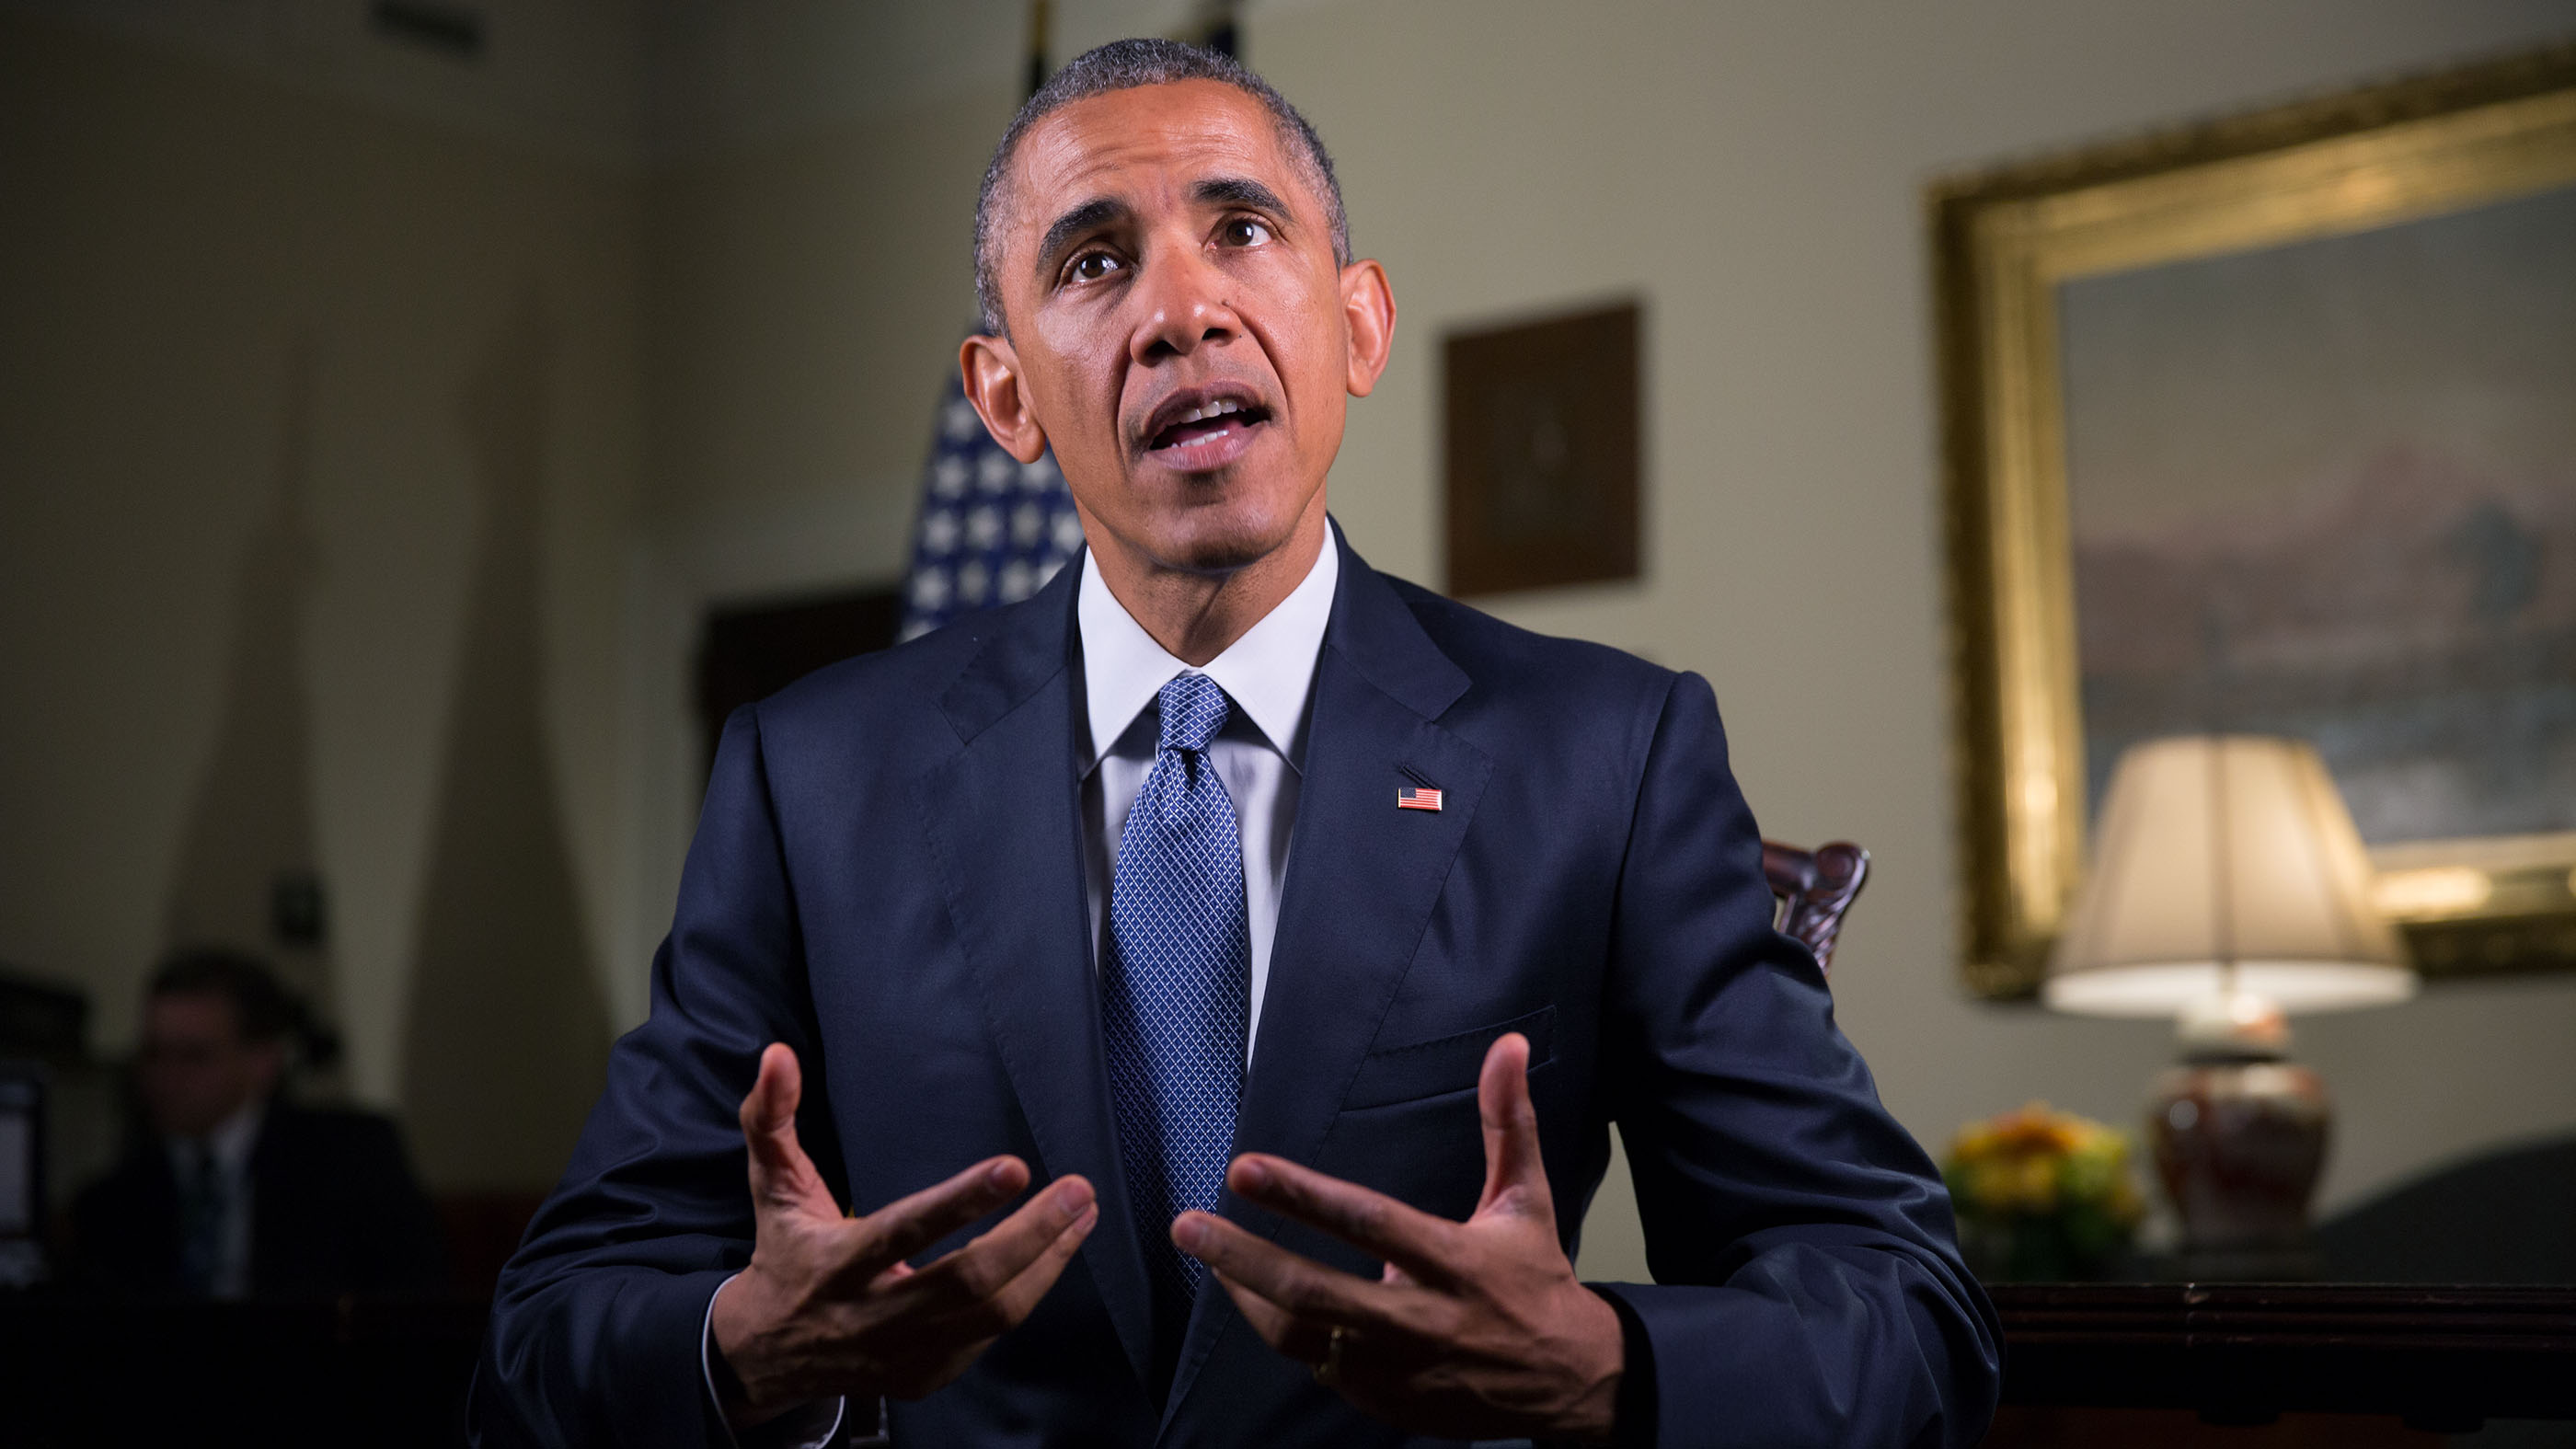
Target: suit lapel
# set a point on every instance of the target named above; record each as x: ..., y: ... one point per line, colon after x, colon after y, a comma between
x: 1004, y: 825
x: 1362, y: 879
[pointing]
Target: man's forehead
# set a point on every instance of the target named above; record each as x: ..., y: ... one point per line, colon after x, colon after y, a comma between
x: 192, y: 1008
x: 1174, y: 133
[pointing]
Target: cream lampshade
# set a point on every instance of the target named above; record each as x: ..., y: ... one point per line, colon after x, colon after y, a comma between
x: 2225, y: 864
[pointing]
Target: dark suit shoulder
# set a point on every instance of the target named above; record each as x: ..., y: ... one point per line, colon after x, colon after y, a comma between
x: 1520, y: 666
x: 889, y: 702
x: 338, y: 1209
x: 909, y: 671
x: 125, y: 1227
x: 137, y: 1185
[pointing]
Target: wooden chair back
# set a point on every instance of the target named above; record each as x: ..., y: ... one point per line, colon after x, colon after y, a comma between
x: 1814, y: 889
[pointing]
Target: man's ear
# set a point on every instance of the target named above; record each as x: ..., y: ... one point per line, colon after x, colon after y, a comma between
x: 991, y: 367
x: 1368, y: 311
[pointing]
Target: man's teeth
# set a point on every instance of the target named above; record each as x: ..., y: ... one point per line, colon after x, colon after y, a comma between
x: 1212, y: 410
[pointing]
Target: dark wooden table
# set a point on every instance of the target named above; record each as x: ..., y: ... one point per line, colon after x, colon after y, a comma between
x: 2433, y: 1358
x: 2437, y: 1357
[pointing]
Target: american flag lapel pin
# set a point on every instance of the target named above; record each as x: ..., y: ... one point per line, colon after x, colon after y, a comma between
x: 1417, y: 797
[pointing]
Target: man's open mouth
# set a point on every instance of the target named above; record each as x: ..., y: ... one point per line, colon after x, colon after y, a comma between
x: 1206, y: 428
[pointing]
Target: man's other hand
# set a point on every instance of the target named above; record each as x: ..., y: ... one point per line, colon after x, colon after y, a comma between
x: 830, y: 1307
x: 1474, y: 1330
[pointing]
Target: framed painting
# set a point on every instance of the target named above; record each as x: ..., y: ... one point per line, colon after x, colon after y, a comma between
x: 2269, y: 425
x: 1540, y: 443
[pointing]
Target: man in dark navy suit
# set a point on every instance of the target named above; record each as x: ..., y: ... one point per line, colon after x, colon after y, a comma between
x: 233, y: 1191
x: 1296, y: 932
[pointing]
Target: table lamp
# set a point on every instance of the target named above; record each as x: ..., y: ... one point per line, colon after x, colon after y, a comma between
x: 2227, y: 888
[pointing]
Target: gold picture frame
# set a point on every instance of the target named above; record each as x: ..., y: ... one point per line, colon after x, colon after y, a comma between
x: 2004, y: 242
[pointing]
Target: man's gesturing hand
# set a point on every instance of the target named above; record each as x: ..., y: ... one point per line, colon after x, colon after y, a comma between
x: 1475, y: 1329
x: 828, y: 1305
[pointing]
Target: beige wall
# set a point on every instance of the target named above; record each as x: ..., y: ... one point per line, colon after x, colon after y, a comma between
x: 171, y: 229
x: 745, y: 343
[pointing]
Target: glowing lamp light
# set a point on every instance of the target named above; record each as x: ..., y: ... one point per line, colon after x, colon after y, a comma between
x: 2227, y: 864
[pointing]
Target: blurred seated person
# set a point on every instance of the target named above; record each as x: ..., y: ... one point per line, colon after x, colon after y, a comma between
x: 233, y: 1191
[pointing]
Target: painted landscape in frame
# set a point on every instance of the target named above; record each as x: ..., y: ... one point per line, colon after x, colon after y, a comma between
x: 2328, y: 489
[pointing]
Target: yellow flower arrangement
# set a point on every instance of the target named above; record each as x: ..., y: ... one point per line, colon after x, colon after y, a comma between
x: 2042, y: 1193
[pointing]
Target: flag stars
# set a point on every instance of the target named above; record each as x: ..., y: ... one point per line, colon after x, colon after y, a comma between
x: 948, y: 476
x: 993, y: 530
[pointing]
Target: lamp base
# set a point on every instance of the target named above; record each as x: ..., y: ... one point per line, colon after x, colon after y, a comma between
x: 2239, y: 1136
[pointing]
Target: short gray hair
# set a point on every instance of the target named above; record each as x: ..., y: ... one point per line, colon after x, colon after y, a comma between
x: 1124, y: 65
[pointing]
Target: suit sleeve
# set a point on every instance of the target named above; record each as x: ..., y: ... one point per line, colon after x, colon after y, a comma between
x: 597, y: 1325
x: 1808, y: 1284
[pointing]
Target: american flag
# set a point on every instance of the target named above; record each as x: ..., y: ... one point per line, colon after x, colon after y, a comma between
x: 993, y: 530
x: 1421, y: 797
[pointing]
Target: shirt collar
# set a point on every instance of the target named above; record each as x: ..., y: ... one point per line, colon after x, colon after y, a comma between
x: 229, y: 1144
x: 1268, y: 673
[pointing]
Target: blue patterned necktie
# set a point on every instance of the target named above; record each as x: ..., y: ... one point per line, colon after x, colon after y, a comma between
x: 201, y: 1220
x: 1176, y: 986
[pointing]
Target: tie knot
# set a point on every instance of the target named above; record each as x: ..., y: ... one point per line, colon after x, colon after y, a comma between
x: 1193, y: 708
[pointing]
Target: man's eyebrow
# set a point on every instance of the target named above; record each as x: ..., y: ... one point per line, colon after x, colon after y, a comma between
x: 1089, y: 216
x: 1239, y: 191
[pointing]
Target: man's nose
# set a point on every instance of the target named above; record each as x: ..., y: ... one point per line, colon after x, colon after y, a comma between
x: 1183, y: 303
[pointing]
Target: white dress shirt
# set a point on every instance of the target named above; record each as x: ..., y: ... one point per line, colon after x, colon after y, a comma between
x: 1268, y: 676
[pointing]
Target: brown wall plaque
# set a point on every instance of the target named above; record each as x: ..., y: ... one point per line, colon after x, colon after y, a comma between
x: 1541, y: 446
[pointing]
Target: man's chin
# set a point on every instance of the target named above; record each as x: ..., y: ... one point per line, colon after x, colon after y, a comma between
x: 1216, y: 556
x: 1222, y: 545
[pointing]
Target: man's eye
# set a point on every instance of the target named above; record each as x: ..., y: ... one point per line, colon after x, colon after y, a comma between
x: 1243, y: 231
x: 1092, y: 266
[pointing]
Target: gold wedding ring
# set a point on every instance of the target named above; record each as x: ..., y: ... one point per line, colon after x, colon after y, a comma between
x: 1329, y: 1372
